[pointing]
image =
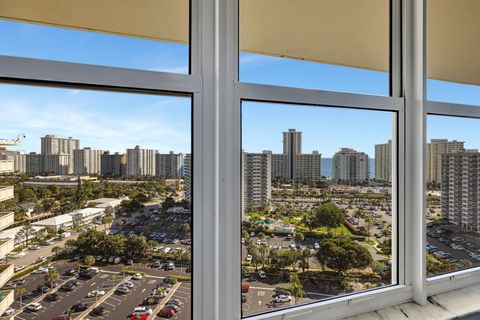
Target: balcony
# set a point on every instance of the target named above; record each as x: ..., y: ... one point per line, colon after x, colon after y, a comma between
x: 6, y: 299
x: 6, y: 219
x: 6, y: 166
x: 6, y: 193
x: 6, y: 246
x: 6, y: 272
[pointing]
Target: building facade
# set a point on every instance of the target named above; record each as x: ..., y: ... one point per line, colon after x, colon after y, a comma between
x: 383, y: 161
x: 460, y: 187
x: 349, y: 165
x: 141, y: 162
x: 51, y: 145
x: 18, y: 158
x: 57, y: 164
x: 257, y: 180
x: 113, y: 164
x: 187, y: 176
x: 170, y: 165
x: 34, y: 163
x: 435, y: 149
x: 87, y: 161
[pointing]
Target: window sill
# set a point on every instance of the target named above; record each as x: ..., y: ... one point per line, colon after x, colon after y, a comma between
x: 443, y: 306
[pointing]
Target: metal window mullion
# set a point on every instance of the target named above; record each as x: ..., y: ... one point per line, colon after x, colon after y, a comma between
x: 37, y: 71
x: 452, y: 109
x: 270, y: 93
x: 415, y: 136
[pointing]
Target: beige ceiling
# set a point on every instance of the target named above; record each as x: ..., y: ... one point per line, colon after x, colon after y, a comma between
x: 344, y: 32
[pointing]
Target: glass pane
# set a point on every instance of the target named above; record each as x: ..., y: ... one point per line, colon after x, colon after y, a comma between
x: 313, y: 198
x: 452, y: 60
x: 148, y: 35
x: 453, y: 240
x: 328, y: 45
x: 99, y: 219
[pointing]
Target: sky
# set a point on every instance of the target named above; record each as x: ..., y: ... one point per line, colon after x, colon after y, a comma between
x: 116, y: 121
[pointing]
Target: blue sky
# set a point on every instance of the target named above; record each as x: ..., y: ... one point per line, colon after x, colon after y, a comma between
x: 115, y: 121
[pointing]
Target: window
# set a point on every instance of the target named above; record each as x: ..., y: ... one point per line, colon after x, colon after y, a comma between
x: 309, y: 45
x: 148, y: 35
x: 102, y: 204
x: 317, y: 209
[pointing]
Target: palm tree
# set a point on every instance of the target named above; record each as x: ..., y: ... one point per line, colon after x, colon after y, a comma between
x: 51, y: 276
x: 358, y: 214
x: 20, y: 292
x: 368, y: 221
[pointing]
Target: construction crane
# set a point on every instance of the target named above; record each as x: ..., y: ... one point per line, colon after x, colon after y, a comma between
x: 10, y: 142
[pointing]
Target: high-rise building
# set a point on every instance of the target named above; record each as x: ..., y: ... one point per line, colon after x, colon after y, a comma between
x: 113, y: 164
x: 18, y: 158
x: 460, y: 199
x: 292, y: 146
x: 256, y: 180
x: 34, y: 163
x: 170, y: 165
x: 350, y: 165
x: 54, y: 145
x: 57, y: 164
x: 187, y: 176
x: 87, y: 161
x: 141, y: 162
x: 383, y: 161
x: 292, y: 163
x: 435, y: 149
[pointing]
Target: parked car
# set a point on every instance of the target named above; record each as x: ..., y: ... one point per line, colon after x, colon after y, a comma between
x: 51, y: 297
x: 122, y: 290
x: 68, y: 287
x: 137, y: 276
x: 42, y: 288
x: 262, y: 275
x: 98, y: 311
x: 95, y: 293
x: 71, y: 272
x: 79, y: 307
x: 167, y: 312
x: 32, y: 307
x: 142, y: 310
x: 245, y: 287
x: 8, y: 312
x: 18, y: 268
x: 282, y: 298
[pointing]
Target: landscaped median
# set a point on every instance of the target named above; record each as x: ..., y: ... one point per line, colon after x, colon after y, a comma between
x: 164, y: 301
x: 102, y: 299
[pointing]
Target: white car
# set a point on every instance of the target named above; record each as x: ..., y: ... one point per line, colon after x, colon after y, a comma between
x: 8, y: 312
x: 137, y: 276
x: 316, y: 246
x: 18, y: 268
x: 142, y: 310
x: 282, y: 298
x: 34, y: 307
x: 249, y: 258
x: 96, y: 293
x: 128, y: 284
x: 262, y: 274
x: 40, y: 270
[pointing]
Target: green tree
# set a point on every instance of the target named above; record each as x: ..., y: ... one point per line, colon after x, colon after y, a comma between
x: 299, y: 237
x: 358, y: 214
x: 329, y: 215
x: 136, y: 247
x: 56, y: 250
x: 20, y: 292
x: 296, y: 287
x: 343, y: 254
x: 89, y: 260
x: 107, y: 219
x: 77, y: 221
x: 51, y: 276
x: 26, y: 232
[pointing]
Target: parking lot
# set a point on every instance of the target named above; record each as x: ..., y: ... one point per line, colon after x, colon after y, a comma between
x: 116, y: 305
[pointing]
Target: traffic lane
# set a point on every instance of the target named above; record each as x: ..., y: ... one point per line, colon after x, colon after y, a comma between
x: 147, y: 268
x: 119, y: 306
x: 184, y: 294
x: 459, y: 254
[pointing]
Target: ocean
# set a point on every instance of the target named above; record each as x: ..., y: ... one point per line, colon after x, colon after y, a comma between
x: 327, y: 167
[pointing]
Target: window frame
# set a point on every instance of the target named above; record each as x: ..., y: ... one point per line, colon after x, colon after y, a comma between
x: 216, y: 145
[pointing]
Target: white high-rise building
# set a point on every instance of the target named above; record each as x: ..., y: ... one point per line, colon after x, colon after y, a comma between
x: 18, y: 158
x: 256, y: 180
x: 54, y: 145
x: 141, y: 162
x: 187, y: 175
x: 87, y: 161
x: 383, y: 161
x: 435, y: 149
x: 461, y: 188
x: 350, y: 166
x: 170, y: 165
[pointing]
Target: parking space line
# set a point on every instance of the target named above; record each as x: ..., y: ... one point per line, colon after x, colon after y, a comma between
x: 164, y: 301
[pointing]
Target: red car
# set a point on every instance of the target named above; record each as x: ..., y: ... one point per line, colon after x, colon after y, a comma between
x: 167, y: 312
x: 139, y: 317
